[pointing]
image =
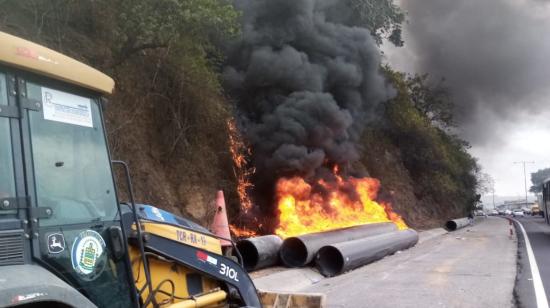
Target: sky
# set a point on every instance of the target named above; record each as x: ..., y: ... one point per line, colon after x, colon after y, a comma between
x: 495, y: 58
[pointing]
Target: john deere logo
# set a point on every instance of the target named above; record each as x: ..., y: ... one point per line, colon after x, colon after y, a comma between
x: 56, y: 243
x: 87, y: 254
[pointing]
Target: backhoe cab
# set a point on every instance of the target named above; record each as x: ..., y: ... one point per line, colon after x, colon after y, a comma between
x: 65, y: 239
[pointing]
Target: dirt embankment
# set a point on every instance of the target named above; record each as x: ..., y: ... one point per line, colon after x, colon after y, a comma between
x: 168, y: 125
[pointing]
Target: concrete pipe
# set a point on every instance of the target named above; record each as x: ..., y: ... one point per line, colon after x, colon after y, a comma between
x: 456, y: 224
x: 300, y: 250
x: 342, y: 257
x: 260, y: 252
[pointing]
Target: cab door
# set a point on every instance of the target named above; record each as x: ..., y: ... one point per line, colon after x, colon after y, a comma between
x: 71, y: 190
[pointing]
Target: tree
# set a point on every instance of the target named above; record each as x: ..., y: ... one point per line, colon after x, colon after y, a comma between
x: 438, y: 160
x: 382, y: 17
x: 486, y: 183
x: 143, y: 25
x: 537, y: 178
x: 431, y: 99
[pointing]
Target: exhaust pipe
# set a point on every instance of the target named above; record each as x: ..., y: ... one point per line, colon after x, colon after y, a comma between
x: 260, y: 252
x: 456, y: 224
x: 300, y: 250
x: 342, y: 257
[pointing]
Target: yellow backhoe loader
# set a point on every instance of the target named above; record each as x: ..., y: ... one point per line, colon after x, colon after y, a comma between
x: 65, y: 239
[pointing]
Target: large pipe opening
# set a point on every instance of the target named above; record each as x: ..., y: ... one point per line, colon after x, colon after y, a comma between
x: 293, y: 252
x: 451, y: 225
x: 330, y: 261
x: 250, y: 254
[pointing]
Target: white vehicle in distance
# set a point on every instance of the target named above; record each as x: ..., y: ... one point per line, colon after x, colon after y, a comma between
x: 518, y: 213
x: 507, y: 212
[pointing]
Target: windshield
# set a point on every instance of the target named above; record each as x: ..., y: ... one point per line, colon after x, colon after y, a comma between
x: 71, y: 162
x: 7, y: 181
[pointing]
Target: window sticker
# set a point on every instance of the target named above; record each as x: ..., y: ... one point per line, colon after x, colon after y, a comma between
x: 88, y: 254
x: 56, y: 243
x: 66, y: 108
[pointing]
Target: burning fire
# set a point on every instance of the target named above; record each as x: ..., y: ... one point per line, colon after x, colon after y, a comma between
x: 239, y: 152
x: 344, y: 203
x: 306, y: 208
x: 242, y: 232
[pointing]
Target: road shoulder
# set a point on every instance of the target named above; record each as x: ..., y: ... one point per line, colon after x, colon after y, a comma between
x: 296, y: 279
x: 471, y: 267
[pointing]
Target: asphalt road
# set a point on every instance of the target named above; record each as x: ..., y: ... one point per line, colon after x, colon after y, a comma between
x: 471, y: 267
x: 538, y: 233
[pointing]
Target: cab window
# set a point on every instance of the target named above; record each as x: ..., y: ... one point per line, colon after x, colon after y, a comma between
x: 71, y: 163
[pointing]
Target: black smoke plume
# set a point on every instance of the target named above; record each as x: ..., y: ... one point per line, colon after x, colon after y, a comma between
x: 305, y: 86
x: 493, y: 55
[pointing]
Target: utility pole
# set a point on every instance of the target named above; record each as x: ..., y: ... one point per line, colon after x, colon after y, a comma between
x: 524, y: 175
x: 491, y: 186
x: 493, y: 191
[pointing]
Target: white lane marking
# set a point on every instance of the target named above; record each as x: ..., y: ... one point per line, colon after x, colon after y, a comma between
x: 542, y: 302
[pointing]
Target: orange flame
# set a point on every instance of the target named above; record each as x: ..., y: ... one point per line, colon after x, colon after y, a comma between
x: 242, y: 232
x: 303, y: 210
x: 239, y: 152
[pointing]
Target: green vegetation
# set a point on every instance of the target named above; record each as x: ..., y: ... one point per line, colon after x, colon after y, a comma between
x: 417, y: 122
x: 382, y: 17
x: 168, y: 116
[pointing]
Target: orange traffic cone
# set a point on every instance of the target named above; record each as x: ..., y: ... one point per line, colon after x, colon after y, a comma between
x: 220, y: 226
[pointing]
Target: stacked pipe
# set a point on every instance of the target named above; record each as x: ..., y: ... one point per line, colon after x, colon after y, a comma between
x: 334, y: 251
x: 301, y: 250
x: 342, y: 257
